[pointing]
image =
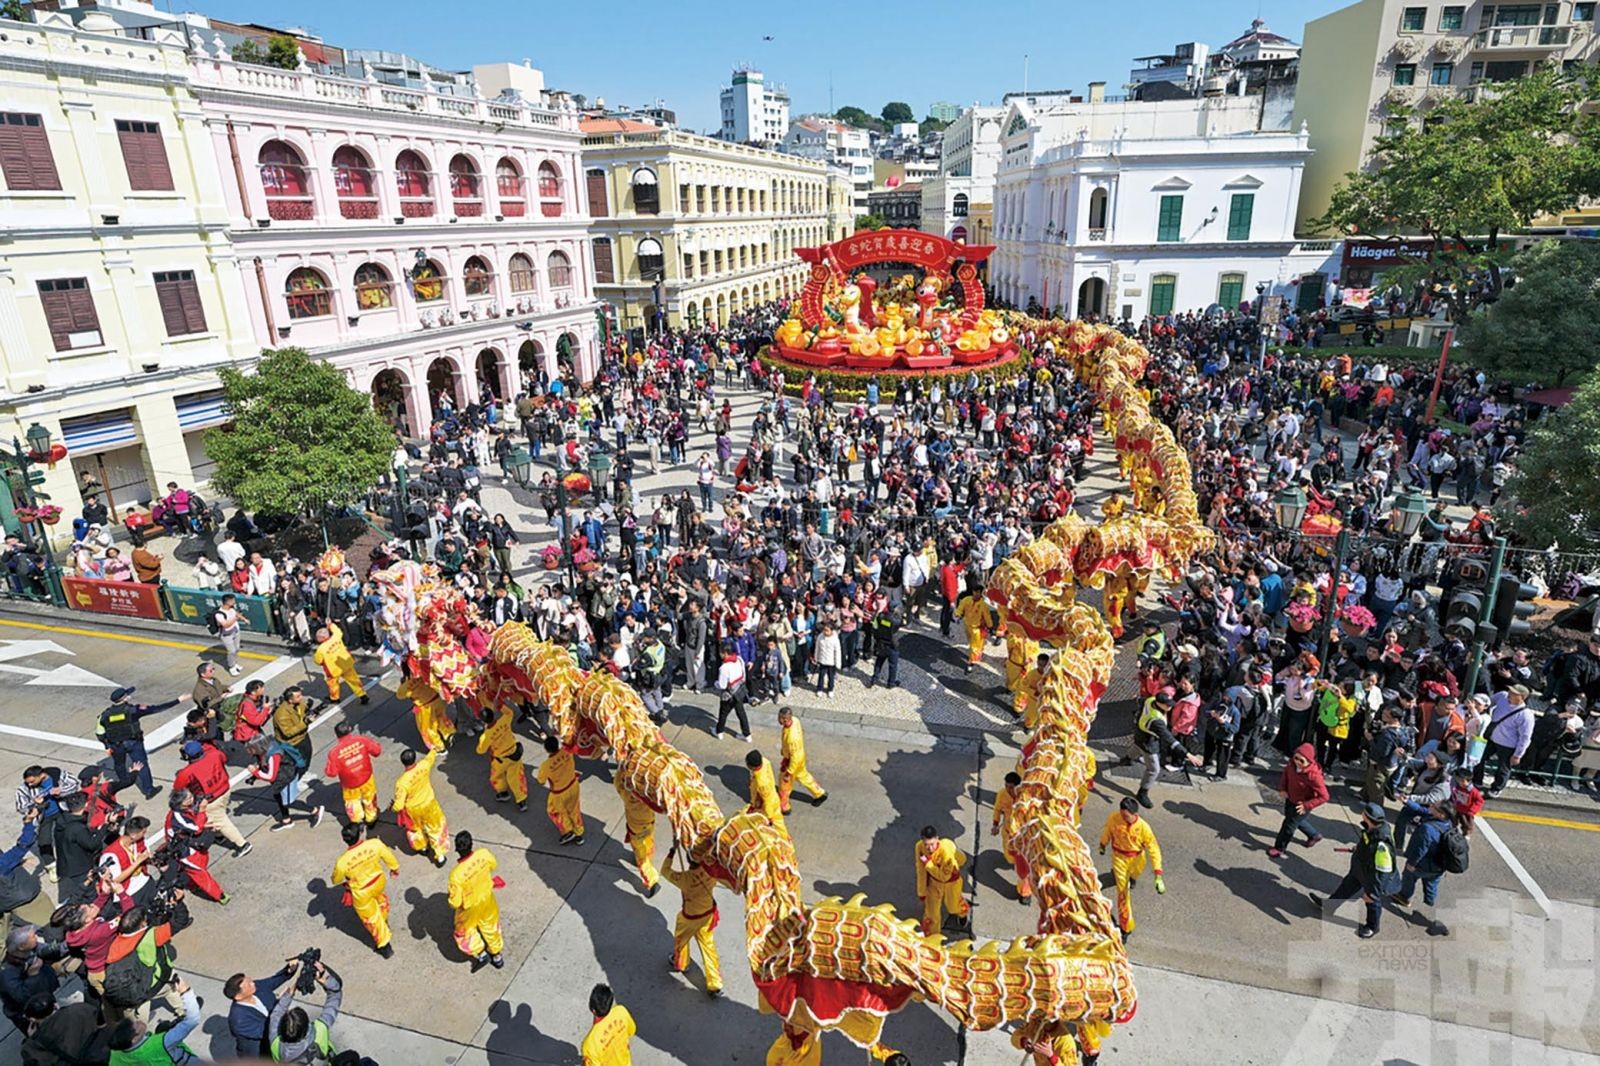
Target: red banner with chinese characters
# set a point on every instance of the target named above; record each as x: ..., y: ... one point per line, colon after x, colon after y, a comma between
x: 131, y: 599
x: 927, y: 250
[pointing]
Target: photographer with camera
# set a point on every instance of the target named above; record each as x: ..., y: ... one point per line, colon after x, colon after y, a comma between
x: 252, y: 1003
x: 105, y: 814
x: 296, y: 1037
x: 136, y: 1043
x: 28, y: 971
x: 91, y: 927
x: 78, y: 848
x: 188, y: 844
x: 43, y: 789
x: 255, y: 711
x: 139, y: 966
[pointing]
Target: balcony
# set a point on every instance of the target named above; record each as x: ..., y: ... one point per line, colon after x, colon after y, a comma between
x: 354, y: 208
x: 513, y: 208
x: 1508, y: 38
x: 416, y: 208
x: 1097, y: 234
x: 468, y: 208
x: 290, y: 208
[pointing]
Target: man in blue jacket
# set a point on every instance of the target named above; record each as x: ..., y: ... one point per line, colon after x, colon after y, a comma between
x: 252, y: 1003
x: 1423, y: 862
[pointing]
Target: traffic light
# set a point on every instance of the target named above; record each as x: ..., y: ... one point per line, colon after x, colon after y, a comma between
x: 416, y: 524
x: 1462, y: 612
x: 1513, y: 602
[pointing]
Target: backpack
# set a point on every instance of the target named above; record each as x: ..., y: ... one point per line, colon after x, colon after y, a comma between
x: 129, y: 981
x: 228, y: 712
x: 1453, y: 852
x: 213, y: 623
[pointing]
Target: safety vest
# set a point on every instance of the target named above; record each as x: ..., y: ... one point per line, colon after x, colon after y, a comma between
x: 152, y: 1051
x: 1150, y: 713
x: 1383, y: 858
x: 319, y: 1036
x: 1153, y: 646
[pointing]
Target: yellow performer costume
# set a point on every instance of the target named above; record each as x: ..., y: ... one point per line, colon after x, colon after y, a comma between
x: 477, y: 923
x: 795, y: 1047
x: 337, y: 664
x: 696, y: 920
x: 1130, y: 841
x: 606, y: 1043
x: 1022, y: 651
x: 939, y: 864
x: 641, y: 835
x: 793, y: 769
x: 507, y: 776
x: 363, y: 870
x: 433, y: 721
x: 1002, y: 826
x: 975, y: 617
x: 764, y: 794
x: 1118, y: 598
x: 1025, y: 699
x: 420, y: 814
x: 559, y: 774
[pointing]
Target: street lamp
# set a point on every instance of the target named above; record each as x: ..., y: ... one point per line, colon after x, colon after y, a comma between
x: 520, y: 463
x: 1406, y: 517
x: 1289, y: 508
x: 38, y: 440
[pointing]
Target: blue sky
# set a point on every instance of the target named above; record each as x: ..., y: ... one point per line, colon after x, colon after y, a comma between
x: 682, y: 52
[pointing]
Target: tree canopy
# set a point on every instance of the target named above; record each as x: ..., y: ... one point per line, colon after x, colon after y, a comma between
x: 1469, y: 172
x: 1542, y: 327
x: 1554, y: 496
x: 931, y: 125
x: 281, y: 51
x: 898, y: 111
x: 854, y: 116
x: 871, y: 222
x: 301, y: 437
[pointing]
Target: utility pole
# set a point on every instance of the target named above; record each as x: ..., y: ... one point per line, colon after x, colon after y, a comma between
x: 1497, y: 560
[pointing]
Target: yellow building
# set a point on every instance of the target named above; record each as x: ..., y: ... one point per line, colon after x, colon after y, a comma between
x: 120, y: 296
x: 1417, y: 54
x: 841, y: 205
x: 689, y: 230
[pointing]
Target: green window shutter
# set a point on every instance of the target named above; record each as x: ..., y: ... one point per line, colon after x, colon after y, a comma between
x: 1169, y: 225
x: 1162, y: 290
x: 1230, y: 294
x: 1239, y: 214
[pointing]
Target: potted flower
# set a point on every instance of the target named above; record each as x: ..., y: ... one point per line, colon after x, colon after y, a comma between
x: 27, y: 514
x: 49, y: 514
x: 1357, y: 619
x: 1302, y: 616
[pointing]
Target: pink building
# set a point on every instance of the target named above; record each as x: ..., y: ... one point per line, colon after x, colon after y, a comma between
x: 428, y: 242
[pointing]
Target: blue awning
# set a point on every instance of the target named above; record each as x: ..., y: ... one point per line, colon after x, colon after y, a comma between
x: 203, y: 410
x: 99, y: 433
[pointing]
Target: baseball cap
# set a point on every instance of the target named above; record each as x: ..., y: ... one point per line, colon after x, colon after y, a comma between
x: 192, y: 749
x: 120, y: 694
x: 1522, y: 690
x: 1164, y: 698
x: 1374, y: 811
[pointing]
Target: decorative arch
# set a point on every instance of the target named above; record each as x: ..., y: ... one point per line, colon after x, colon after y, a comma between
x: 392, y: 398
x: 444, y: 382
x: 354, y: 184
x: 521, y: 274
x: 511, y: 188
x: 307, y: 293
x: 493, y: 374
x: 558, y: 270
x: 374, y: 287
x: 414, y: 183
x: 550, y: 200
x: 285, y: 182
x: 427, y: 282
x: 477, y: 277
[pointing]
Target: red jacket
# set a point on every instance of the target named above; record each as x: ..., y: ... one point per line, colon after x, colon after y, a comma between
x: 1305, y: 787
x: 206, y: 776
x: 351, y: 759
x: 950, y: 582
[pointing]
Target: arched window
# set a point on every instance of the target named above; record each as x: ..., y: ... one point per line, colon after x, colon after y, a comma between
x: 352, y: 182
x: 427, y: 282
x: 1097, y: 214
x: 646, y: 192
x: 558, y: 268
x: 549, y: 190
x: 415, y: 185
x: 307, y: 294
x: 512, y: 187
x: 477, y: 278
x: 285, y: 182
x: 958, y: 206
x: 520, y: 269
x: 374, y: 289
x: 652, y: 263
x: 466, y: 187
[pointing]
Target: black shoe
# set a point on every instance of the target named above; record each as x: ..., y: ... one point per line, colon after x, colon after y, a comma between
x: 820, y: 800
x: 316, y: 817
x: 1366, y: 932
x: 387, y: 951
x: 567, y: 838
x: 497, y: 961
x: 1127, y: 935
x: 244, y: 849
x: 502, y: 797
x: 365, y: 699
x: 715, y: 993
x: 523, y: 805
x: 153, y: 793
x: 650, y: 893
x: 1438, y: 928
x: 439, y: 862
x: 1144, y: 799
x: 480, y: 961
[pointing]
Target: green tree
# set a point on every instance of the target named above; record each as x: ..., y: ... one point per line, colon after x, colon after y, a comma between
x: 301, y: 437
x: 282, y: 51
x: 898, y: 111
x: 854, y: 116
x: 1470, y: 172
x: 1554, y: 496
x: 871, y: 222
x: 15, y: 11
x: 932, y: 125
x: 1542, y: 328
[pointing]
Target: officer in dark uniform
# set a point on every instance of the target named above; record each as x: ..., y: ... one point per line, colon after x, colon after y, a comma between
x: 886, y: 626
x: 121, y: 731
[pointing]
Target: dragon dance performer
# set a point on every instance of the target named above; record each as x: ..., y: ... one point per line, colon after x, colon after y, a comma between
x: 793, y: 768
x: 477, y: 921
x: 350, y: 759
x: 364, y: 870
x: 978, y: 621
x: 507, y: 776
x: 641, y: 835
x: 1021, y: 651
x: 939, y: 864
x: 434, y: 724
x: 1026, y: 695
x: 1002, y: 825
x: 559, y: 774
x: 1131, y: 839
x: 418, y: 807
x: 696, y: 919
x: 1062, y: 1043
x: 337, y: 663
x: 764, y: 790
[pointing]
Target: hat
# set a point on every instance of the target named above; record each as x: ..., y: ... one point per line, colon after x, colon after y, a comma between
x: 1164, y: 698
x: 1522, y: 690
x: 192, y: 749
x: 1374, y: 811
x: 120, y: 694
x: 1188, y: 649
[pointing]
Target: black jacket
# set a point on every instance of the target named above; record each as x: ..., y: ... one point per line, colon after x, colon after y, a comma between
x: 77, y: 848
x: 72, y: 1036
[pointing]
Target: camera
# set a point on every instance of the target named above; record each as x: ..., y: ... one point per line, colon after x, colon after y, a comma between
x: 306, y: 982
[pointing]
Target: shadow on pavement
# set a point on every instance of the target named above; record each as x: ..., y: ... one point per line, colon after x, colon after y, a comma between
x: 428, y: 917
x: 1260, y: 888
x: 516, y: 1041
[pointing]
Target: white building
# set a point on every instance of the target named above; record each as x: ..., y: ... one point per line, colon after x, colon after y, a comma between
x: 831, y: 141
x: 1127, y: 208
x: 967, y: 169
x: 753, y: 113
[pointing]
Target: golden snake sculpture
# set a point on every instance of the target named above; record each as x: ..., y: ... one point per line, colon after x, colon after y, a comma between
x: 847, y: 964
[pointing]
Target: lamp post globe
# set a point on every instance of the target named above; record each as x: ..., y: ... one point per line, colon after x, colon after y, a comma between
x: 1409, y: 509
x: 38, y: 438
x: 1289, y: 508
x: 521, y: 464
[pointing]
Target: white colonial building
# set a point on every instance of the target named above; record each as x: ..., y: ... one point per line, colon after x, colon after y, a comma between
x: 1127, y: 208
x: 968, y: 163
x: 428, y: 244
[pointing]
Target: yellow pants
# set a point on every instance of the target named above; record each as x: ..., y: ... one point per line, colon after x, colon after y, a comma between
x: 509, y: 775
x: 563, y: 809
x: 361, y: 803
x: 791, y: 775
x: 1020, y: 866
x: 974, y: 645
x: 697, y: 931
x: 784, y: 1053
x: 428, y: 831
x: 373, y: 910
x: 349, y: 676
x: 941, y: 897
x: 434, y: 729
x: 644, y: 853
x: 1125, y: 868
x: 478, y: 929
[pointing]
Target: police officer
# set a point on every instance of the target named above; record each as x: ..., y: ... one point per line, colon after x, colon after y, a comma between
x: 649, y: 673
x: 1153, y: 645
x: 121, y: 731
x: 1152, y: 739
x: 1373, y: 871
x: 886, y: 636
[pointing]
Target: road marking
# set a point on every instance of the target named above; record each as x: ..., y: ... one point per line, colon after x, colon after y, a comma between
x: 1517, y: 868
x: 1532, y: 819
x: 182, y: 645
x: 54, y: 738
x: 167, y: 731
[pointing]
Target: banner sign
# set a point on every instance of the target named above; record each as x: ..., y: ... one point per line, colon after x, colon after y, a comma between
x: 192, y: 606
x: 131, y: 599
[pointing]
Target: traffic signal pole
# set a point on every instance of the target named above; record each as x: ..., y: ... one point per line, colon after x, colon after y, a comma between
x: 1497, y: 560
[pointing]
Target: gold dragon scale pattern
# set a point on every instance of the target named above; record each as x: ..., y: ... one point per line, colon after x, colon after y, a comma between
x: 1074, y: 972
